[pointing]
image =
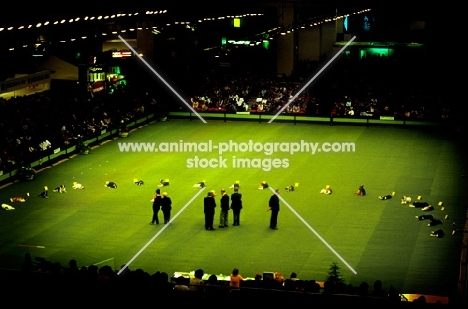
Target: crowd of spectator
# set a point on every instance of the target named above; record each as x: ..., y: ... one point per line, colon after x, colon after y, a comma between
x: 32, y: 127
x: 51, y: 279
x: 371, y: 87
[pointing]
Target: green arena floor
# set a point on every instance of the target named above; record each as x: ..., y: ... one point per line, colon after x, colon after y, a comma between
x: 369, y: 238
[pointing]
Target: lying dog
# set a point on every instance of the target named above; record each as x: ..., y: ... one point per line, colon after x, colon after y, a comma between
x: 425, y: 217
x: 428, y: 208
x: 111, y: 185
x: 438, y: 233
x: 419, y: 204
x: 163, y: 183
x: 200, y: 185
x: 77, y: 186
x: 60, y: 189
x: 405, y: 199
x: 434, y: 222
x: 385, y: 197
x: 7, y: 207
x: 19, y: 199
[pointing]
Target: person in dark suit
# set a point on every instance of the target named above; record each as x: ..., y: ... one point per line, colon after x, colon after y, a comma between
x: 236, y: 206
x: 156, y: 207
x: 274, y: 207
x: 224, y: 205
x: 209, y: 204
x: 166, y: 207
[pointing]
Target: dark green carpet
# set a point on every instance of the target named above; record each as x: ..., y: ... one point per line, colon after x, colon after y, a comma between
x: 377, y: 239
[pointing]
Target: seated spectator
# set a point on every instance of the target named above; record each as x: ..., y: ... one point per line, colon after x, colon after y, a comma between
x: 378, y: 290
x: 181, y: 284
x: 197, y: 283
x: 235, y: 279
x: 293, y: 283
x: 279, y: 278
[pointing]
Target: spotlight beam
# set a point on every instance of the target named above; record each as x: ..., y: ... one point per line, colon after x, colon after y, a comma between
x: 310, y: 81
x: 315, y: 232
x: 162, y: 79
x: 159, y: 233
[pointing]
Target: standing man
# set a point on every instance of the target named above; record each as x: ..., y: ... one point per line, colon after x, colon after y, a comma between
x: 156, y: 206
x: 209, y: 204
x: 236, y: 205
x: 223, y: 217
x: 166, y: 207
x: 274, y: 207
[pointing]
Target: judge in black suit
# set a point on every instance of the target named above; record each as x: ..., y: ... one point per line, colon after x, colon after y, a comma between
x: 156, y: 207
x: 209, y: 204
x: 166, y: 207
x: 274, y: 207
x: 236, y: 206
x: 224, y: 205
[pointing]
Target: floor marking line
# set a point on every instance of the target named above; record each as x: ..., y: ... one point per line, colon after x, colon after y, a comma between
x: 310, y: 81
x: 159, y: 232
x: 315, y: 232
x: 162, y: 79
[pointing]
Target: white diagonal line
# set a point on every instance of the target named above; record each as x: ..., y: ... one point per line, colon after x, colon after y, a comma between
x: 310, y: 81
x: 162, y: 79
x: 160, y: 231
x: 313, y: 231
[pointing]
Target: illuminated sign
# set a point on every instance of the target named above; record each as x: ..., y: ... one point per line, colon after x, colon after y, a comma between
x: 121, y: 54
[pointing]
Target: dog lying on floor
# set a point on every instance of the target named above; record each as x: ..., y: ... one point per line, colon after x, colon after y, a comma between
x: 405, y: 199
x: 200, y: 185
x: 438, y: 233
x: 111, y: 185
x: 434, y: 222
x: 77, y: 186
x: 418, y: 204
x: 7, y: 207
x: 61, y: 189
x: 385, y: 197
x: 425, y: 217
x: 163, y: 183
x: 19, y: 199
